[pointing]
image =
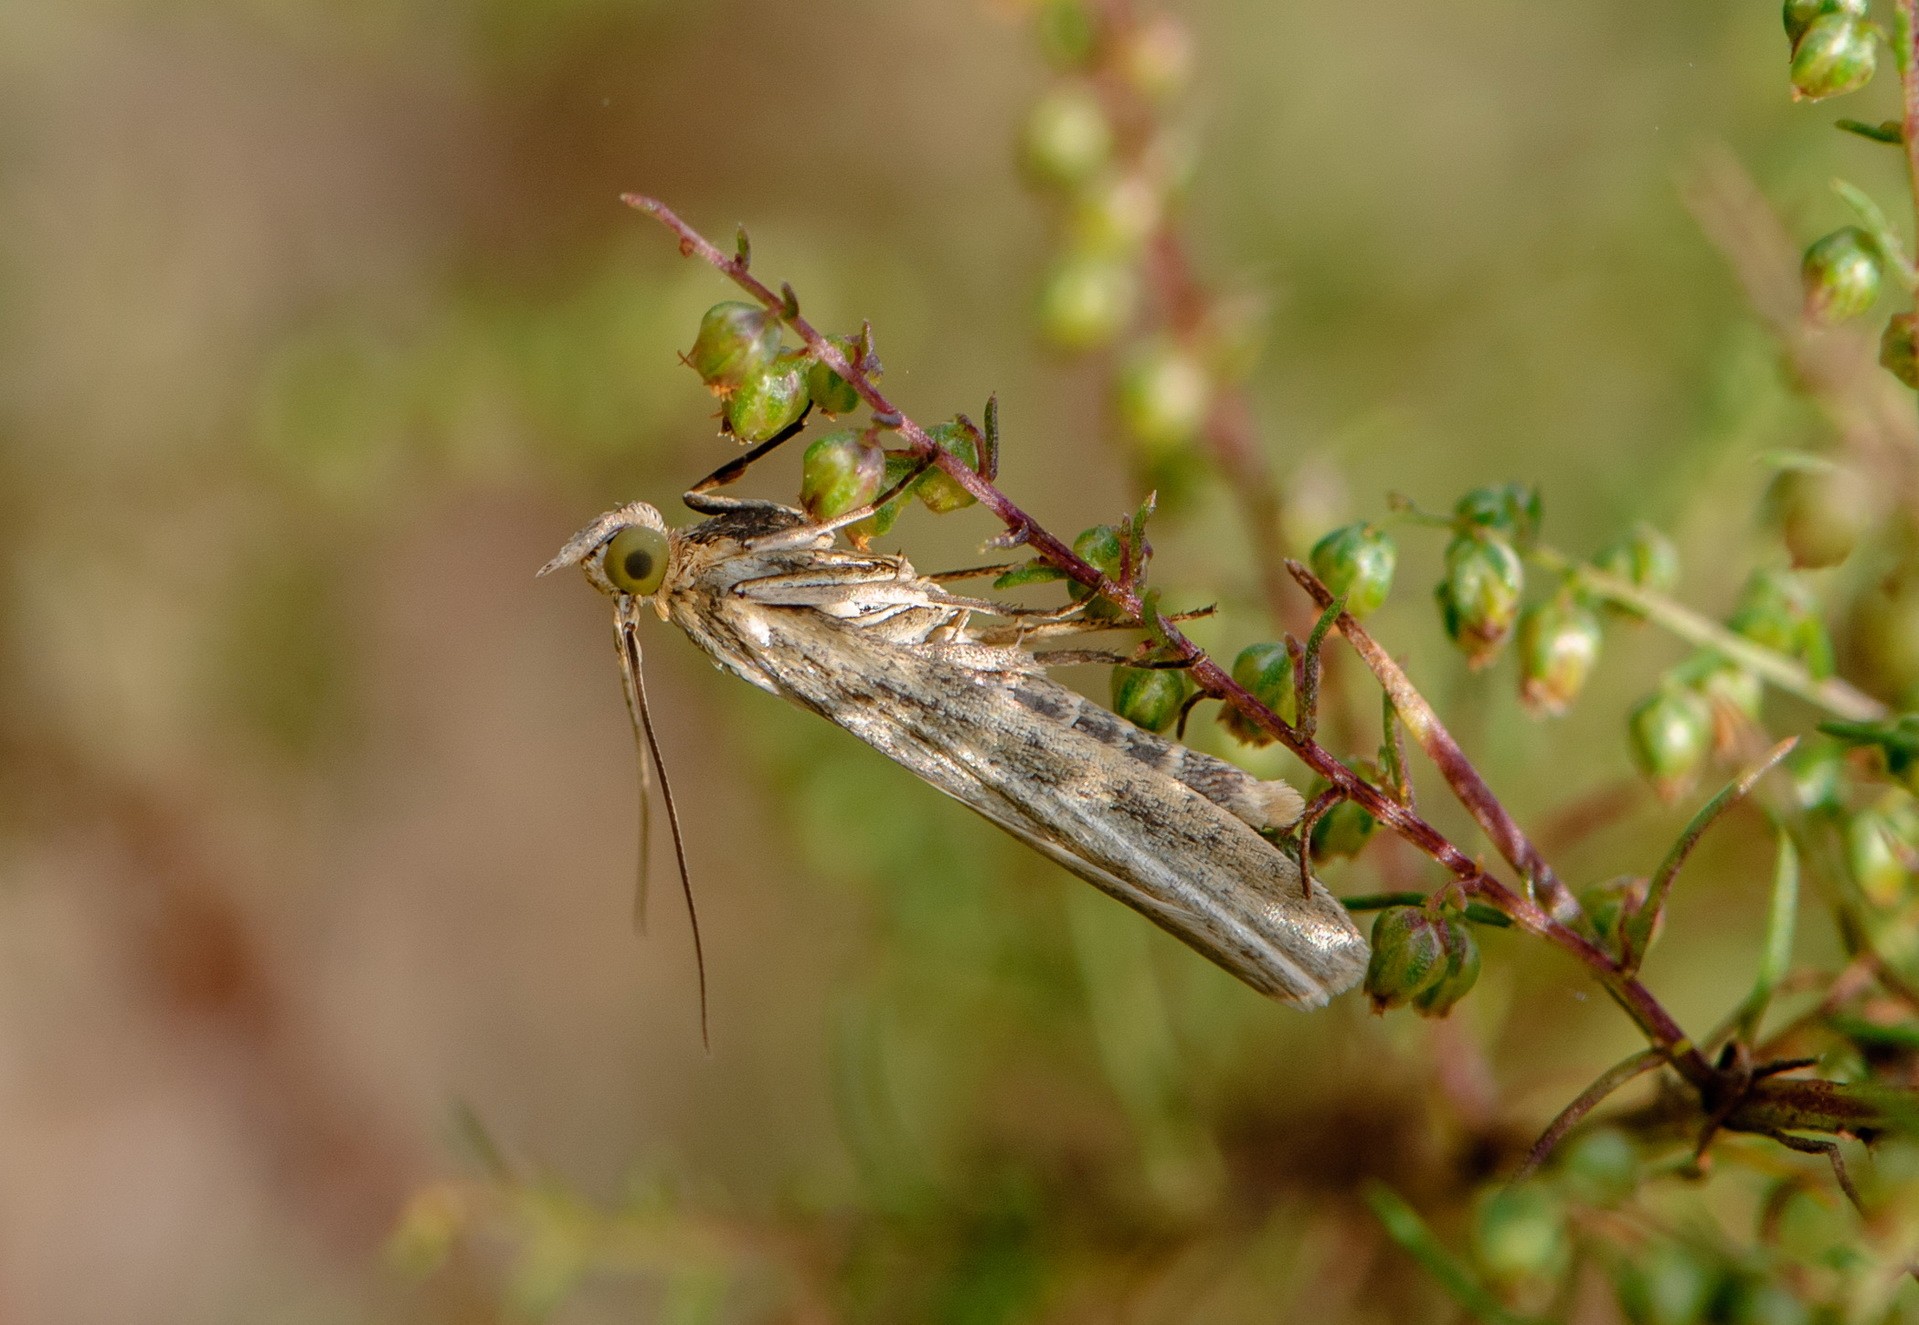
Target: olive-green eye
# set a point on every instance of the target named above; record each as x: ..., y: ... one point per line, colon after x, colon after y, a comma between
x: 635, y: 560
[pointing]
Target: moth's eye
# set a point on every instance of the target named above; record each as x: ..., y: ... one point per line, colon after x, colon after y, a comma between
x: 635, y: 560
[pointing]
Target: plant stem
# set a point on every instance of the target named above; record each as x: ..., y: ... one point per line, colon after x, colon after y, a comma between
x: 1438, y: 743
x: 1830, y: 694
x: 1907, y: 31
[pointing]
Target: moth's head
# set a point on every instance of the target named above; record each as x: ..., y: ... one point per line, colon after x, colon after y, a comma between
x: 625, y: 553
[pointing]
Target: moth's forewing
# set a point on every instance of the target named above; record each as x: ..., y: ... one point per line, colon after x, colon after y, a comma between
x: 882, y: 665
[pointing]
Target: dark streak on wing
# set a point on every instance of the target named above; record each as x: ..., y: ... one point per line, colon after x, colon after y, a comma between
x: 1220, y: 782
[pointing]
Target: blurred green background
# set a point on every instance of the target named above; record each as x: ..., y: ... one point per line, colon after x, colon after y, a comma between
x: 321, y: 327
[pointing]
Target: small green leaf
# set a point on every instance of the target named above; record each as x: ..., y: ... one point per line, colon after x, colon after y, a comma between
x: 1886, y: 131
x: 1891, y: 247
x: 1033, y: 572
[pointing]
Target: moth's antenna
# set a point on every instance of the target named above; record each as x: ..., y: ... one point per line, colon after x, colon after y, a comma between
x: 635, y: 705
x: 630, y: 664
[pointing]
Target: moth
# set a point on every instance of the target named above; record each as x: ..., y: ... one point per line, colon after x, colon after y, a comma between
x: 928, y: 679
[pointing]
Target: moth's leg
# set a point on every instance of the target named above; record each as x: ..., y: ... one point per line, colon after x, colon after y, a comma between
x: 1066, y: 621
x: 1018, y: 633
x: 973, y: 572
x: 708, y: 503
x: 832, y: 586
x: 1263, y: 804
x: 697, y: 498
x: 1072, y: 657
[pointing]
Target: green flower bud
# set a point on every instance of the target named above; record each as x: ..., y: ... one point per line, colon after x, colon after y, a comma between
x: 1344, y: 829
x: 842, y: 471
x: 1479, y: 598
x: 1267, y: 671
x: 1840, y: 274
x: 1068, y: 33
x: 1833, y: 56
x: 1116, y: 215
x: 1512, y: 509
x: 831, y: 392
x: 939, y: 490
x: 881, y: 522
x: 1409, y: 956
x: 1646, y: 558
x: 1670, y: 734
x: 1100, y: 548
x: 1165, y: 394
x: 1558, y: 644
x: 1820, y: 512
x: 1601, y: 1167
x: 1155, y: 57
x: 1779, y: 610
x: 735, y: 340
x: 1613, y: 907
x: 1898, y: 354
x: 1520, y: 1234
x: 1149, y: 697
x: 1462, y: 970
x: 768, y: 399
x: 1086, y: 300
x: 1067, y: 139
x: 1357, y: 561
x: 1882, y: 849
x: 1799, y: 14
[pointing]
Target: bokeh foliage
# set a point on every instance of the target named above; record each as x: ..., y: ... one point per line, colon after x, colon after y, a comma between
x: 322, y: 325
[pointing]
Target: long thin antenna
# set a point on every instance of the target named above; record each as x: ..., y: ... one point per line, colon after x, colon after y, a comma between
x: 629, y: 675
x: 630, y: 655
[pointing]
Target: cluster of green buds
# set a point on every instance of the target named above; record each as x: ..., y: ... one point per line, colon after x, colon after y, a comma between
x: 765, y: 387
x: 1700, y: 706
x: 1834, y: 47
x: 1480, y: 593
x: 1098, y: 143
x: 1090, y: 141
x: 1423, y: 956
x: 1532, y: 1246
